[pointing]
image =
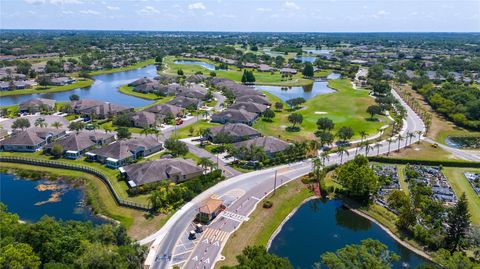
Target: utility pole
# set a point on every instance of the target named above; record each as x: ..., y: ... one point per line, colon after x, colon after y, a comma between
x: 275, y: 183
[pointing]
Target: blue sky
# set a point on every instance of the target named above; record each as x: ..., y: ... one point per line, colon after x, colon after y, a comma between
x: 244, y: 15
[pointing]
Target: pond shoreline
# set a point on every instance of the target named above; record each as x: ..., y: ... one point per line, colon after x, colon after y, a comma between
x: 360, y: 213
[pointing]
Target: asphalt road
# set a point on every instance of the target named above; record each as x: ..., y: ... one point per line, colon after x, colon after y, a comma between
x: 250, y: 189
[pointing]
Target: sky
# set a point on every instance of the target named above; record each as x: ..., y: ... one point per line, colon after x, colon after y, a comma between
x: 244, y: 15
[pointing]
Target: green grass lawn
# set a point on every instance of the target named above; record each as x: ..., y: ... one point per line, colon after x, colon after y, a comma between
x: 118, y: 184
x: 460, y: 185
x: 125, y: 89
x: 346, y: 107
x: 40, y: 89
x: 125, y: 68
x: 262, y: 78
x: 197, y: 126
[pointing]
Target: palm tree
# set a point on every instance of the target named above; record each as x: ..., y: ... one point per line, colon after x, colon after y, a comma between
x: 367, y: 147
x: 56, y: 125
x: 419, y: 133
x: 399, y: 139
x: 378, y: 146
x: 342, y: 150
x: 314, y: 145
x: 410, y: 136
x: 363, y: 134
x: 390, y: 141
x: 324, y: 157
x: 317, y: 167
x: 406, y: 138
x: 145, y: 131
x: 107, y: 129
x: 40, y: 122
x: 205, y: 162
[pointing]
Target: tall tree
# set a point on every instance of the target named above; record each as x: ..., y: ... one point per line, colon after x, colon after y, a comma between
x: 257, y: 257
x: 458, y: 221
x: 308, y: 70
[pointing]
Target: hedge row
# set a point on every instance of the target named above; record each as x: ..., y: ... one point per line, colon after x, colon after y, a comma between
x: 446, y: 163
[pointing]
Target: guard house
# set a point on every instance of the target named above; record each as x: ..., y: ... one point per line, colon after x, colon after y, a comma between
x: 209, y: 210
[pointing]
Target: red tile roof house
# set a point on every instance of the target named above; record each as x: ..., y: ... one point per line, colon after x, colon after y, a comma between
x: 122, y: 152
x: 31, y: 139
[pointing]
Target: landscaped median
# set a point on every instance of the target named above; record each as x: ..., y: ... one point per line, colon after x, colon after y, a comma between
x: 80, y: 83
x: 125, y: 68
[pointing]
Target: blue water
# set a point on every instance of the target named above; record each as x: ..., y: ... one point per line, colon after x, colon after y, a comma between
x: 307, y: 92
x: 199, y: 63
x: 316, y: 51
x: 305, y: 59
x: 20, y: 196
x: 325, y: 226
x: 104, y: 88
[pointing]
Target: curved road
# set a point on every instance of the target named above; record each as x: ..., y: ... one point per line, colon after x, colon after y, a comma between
x: 241, y: 193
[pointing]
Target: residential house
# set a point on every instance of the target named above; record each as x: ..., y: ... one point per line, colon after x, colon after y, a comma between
x: 265, y: 68
x: 185, y: 102
x: 31, y: 139
x: 144, y: 119
x: 270, y: 144
x: 234, y: 116
x: 288, y: 71
x: 236, y: 132
x: 254, y: 99
x: 122, y: 152
x: 59, y: 81
x: 175, y: 170
x: 36, y: 105
x: 140, y: 82
x: 250, y: 107
x: 165, y: 110
x: 101, y: 110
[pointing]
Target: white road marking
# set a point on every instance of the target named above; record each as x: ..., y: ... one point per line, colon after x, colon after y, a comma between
x: 207, y: 260
x: 258, y: 199
x: 195, y: 258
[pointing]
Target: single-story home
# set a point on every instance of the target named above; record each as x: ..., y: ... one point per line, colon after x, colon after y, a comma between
x: 287, y: 70
x: 101, y: 110
x: 144, y: 119
x: 36, y: 105
x: 235, y: 131
x: 31, y: 139
x: 270, y: 144
x: 250, y: 107
x: 75, y: 145
x: 184, y: 102
x: 165, y: 110
x: 254, y: 99
x: 176, y: 170
x: 122, y: 152
x: 234, y: 116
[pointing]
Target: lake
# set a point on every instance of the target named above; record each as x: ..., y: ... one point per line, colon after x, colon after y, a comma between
x: 317, y: 51
x: 463, y: 142
x: 104, y: 88
x: 307, y: 92
x: 320, y: 226
x: 199, y: 63
x: 30, y: 199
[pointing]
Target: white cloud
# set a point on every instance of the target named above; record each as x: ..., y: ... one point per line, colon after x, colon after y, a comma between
x: 113, y: 8
x: 148, y: 10
x: 89, y: 12
x: 292, y: 5
x: 61, y: 2
x: 262, y: 9
x: 197, y: 5
x: 209, y: 13
x: 383, y: 13
x: 35, y: 2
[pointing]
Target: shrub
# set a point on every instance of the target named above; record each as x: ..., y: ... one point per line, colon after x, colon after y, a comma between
x: 267, y: 204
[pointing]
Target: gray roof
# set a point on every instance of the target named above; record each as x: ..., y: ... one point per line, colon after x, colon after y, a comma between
x: 184, y: 101
x: 254, y: 99
x: 165, y: 109
x: 268, y: 143
x: 235, y: 130
x: 37, y: 102
x: 139, y: 82
x: 31, y: 136
x: 142, y: 173
x: 250, y: 107
x: 123, y: 149
x: 234, y: 115
x: 97, y: 107
x: 144, y: 117
x: 74, y: 142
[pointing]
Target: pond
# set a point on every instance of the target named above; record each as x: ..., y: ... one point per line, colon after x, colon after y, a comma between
x: 305, y: 59
x: 199, y: 63
x: 32, y: 199
x: 307, y: 92
x: 104, y: 88
x: 320, y: 226
x: 463, y: 142
x: 317, y: 51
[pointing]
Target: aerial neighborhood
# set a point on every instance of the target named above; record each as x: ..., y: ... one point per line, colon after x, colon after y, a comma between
x: 195, y: 149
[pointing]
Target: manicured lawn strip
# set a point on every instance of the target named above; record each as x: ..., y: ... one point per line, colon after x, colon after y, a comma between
x: 40, y: 89
x: 102, y: 202
x: 119, y: 185
x: 402, y: 178
x: 422, y: 151
x: 109, y: 125
x: 263, y: 222
x: 346, y: 107
x: 125, y: 68
x: 125, y: 89
x: 261, y: 78
x: 184, y: 132
x: 163, y: 100
x: 460, y: 185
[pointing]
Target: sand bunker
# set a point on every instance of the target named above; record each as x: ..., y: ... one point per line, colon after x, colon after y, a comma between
x: 321, y: 112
